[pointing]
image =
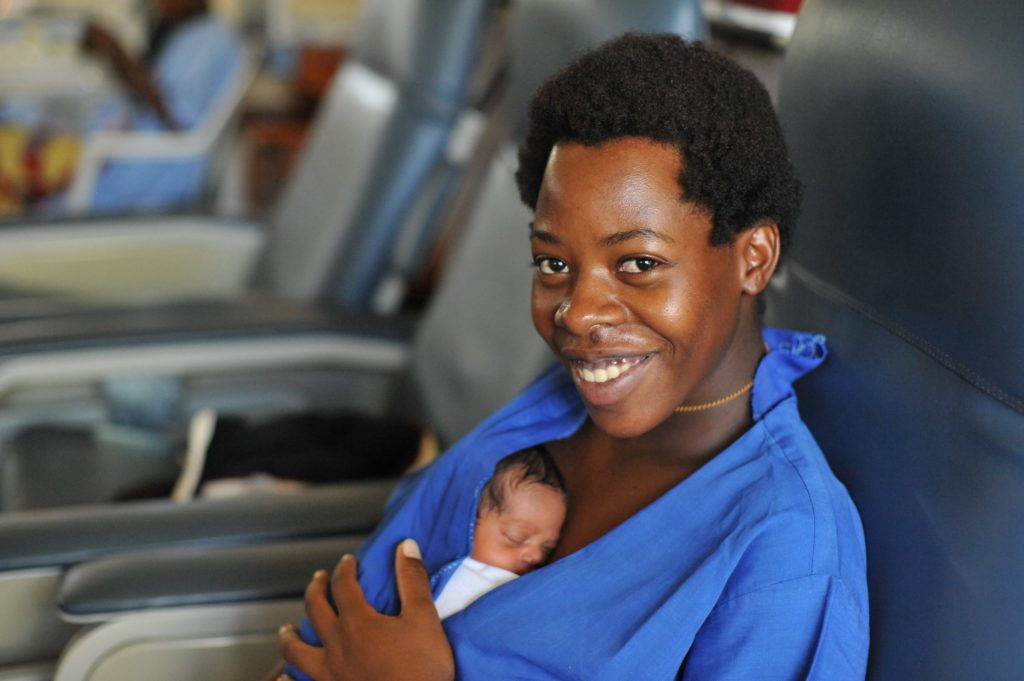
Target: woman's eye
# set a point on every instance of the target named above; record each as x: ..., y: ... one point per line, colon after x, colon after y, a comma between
x: 638, y: 265
x: 546, y: 265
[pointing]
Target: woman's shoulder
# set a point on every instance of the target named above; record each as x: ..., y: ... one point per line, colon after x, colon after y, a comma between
x: 810, y: 526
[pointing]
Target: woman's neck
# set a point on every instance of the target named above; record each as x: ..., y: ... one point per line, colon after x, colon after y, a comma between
x: 689, y: 440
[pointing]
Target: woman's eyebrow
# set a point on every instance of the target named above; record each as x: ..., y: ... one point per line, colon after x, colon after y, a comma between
x: 642, y: 233
x: 610, y: 240
x: 546, y: 237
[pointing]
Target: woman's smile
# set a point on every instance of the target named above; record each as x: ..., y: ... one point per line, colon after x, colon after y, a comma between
x: 609, y: 382
x: 605, y: 370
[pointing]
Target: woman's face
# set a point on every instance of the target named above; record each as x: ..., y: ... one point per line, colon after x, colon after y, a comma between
x: 628, y: 291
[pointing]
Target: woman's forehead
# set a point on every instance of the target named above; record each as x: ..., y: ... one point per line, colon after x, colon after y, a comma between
x: 624, y: 188
x: 626, y: 170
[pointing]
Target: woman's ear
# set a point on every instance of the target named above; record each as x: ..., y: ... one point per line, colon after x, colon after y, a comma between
x: 759, y: 249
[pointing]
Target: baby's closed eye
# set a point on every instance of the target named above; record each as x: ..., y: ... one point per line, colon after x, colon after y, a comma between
x: 515, y: 538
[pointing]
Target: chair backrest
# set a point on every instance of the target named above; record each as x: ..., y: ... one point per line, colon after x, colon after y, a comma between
x: 377, y: 138
x: 905, y: 121
x: 476, y: 347
x: 549, y: 33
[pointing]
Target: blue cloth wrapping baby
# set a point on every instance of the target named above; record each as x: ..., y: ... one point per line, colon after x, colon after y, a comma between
x: 753, y: 567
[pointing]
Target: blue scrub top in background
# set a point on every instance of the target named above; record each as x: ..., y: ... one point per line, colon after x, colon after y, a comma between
x: 751, y: 568
x: 193, y: 68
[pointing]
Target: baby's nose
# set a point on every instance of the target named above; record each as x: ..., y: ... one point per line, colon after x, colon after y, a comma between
x: 532, y: 556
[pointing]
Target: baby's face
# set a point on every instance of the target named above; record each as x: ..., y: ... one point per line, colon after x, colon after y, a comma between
x: 520, y: 537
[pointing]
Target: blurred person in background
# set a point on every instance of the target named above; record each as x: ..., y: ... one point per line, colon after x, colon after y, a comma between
x: 190, y: 57
x: 174, y: 82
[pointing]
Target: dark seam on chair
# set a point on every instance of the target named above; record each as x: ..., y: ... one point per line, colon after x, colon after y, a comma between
x: 835, y: 294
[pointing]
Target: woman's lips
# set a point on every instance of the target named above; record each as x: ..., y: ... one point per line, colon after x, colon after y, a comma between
x: 605, y: 370
x: 608, y: 380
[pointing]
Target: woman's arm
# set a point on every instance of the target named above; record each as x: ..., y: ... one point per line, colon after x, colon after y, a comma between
x: 811, y: 628
x: 359, y: 642
x: 133, y: 74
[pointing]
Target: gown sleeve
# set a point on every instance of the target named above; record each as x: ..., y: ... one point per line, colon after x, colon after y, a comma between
x: 808, y: 628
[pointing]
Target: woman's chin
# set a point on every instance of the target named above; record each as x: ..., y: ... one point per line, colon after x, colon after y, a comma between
x: 624, y: 425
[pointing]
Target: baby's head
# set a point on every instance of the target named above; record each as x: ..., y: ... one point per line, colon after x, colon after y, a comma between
x: 521, y: 511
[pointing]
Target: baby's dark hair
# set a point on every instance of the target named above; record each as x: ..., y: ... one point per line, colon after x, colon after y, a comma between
x: 533, y: 466
x: 660, y: 87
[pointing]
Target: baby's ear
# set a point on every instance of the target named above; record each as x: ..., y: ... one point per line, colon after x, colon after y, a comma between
x: 758, y: 249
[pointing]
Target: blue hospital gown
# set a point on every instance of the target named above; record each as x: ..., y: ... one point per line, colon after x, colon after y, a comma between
x: 751, y: 568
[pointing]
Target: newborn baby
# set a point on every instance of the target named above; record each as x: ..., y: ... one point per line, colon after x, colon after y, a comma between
x: 518, y: 523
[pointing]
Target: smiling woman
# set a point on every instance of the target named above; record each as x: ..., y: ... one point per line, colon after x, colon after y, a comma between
x: 705, y: 536
x: 627, y: 277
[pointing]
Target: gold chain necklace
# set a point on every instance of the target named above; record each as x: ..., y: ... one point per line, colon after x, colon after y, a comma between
x: 693, y: 408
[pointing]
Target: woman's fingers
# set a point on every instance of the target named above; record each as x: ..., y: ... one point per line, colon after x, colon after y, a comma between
x: 361, y: 643
x: 413, y: 581
x: 305, y: 657
x: 348, y: 595
x: 318, y: 608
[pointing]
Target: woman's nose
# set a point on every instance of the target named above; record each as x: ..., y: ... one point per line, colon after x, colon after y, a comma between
x: 591, y: 302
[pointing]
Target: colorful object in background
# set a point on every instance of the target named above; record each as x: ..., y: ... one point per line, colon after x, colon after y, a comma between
x: 34, y: 167
x: 791, y: 6
x: 772, y: 19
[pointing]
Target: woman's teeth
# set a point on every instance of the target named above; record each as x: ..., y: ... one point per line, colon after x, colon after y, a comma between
x: 606, y: 370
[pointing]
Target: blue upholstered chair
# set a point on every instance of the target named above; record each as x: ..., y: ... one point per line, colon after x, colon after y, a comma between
x: 905, y: 120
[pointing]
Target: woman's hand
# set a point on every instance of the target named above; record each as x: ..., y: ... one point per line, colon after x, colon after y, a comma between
x: 358, y: 642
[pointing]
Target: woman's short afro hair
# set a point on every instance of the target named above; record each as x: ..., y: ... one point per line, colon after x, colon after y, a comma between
x: 662, y: 88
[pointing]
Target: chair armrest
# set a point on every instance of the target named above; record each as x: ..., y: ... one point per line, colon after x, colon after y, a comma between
x: 106, y: 147
x: 64, y: 537
x: 93, y: 343
x: 144, y: 257
x: 103, y: 147
x: 109, y: 587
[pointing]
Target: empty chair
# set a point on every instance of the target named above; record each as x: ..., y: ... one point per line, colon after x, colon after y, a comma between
x: 36, y: 548
x: 905, y: 121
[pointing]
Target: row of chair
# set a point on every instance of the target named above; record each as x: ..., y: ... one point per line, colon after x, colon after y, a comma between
x: 273, y: 338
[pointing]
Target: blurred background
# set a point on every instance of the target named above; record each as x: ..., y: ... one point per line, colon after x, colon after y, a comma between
x: 54, y: 93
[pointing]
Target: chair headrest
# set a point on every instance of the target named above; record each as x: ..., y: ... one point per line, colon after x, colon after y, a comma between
x: 547, y: 34
x: 905, y: 122
x: 400, y: 40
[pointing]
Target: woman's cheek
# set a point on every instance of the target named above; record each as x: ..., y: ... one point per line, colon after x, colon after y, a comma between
x: 543, y: 306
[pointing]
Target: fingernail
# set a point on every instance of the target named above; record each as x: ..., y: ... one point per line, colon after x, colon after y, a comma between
x: 285, y: 628
x: 284, y: 677
x: 410, y: 549
x: 319, y: 573
x: 347, y: 558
